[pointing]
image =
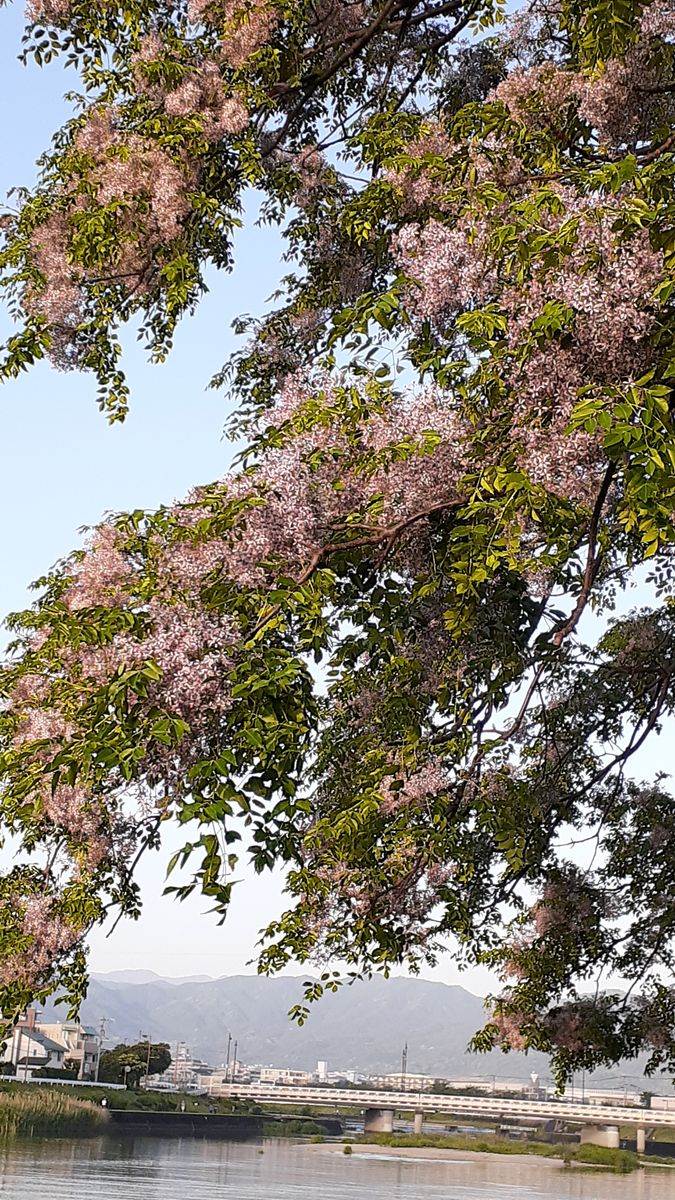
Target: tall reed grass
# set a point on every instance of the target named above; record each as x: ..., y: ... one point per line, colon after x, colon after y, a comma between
x: 47, y: 1113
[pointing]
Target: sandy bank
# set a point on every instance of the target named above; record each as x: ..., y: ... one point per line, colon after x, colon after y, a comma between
x: 427, y: 1152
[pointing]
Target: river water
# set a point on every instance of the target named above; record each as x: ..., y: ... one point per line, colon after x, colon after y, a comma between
x: 159, y: 1169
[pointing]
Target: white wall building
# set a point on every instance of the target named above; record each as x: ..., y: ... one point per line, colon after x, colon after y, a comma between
x: 80, y: 1043
x: 285, y: 1075
x: 29, y: 1050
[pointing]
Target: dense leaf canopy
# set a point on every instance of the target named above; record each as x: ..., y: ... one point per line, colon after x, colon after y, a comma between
x: 366, y: 654
x: 130, y: 1063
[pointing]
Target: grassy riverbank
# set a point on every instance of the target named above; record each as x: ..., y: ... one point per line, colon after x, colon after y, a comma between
x: 598, y: 1156
x: 134, y: 1098
x: 46, y: 1114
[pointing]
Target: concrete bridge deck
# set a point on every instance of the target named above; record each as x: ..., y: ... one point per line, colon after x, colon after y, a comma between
x: 473, y: 1106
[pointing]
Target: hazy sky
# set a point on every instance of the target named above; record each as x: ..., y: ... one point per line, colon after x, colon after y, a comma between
x: 63, y: 467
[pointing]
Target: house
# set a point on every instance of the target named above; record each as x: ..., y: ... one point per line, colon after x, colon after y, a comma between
x: 80, y: 1043
x: 31, y: 1050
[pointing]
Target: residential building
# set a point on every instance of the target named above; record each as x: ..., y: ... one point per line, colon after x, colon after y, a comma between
x: 29, y: 1049
x: 80, y: 1042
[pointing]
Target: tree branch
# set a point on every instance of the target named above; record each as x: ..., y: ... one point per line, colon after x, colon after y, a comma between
x: 592, y: 560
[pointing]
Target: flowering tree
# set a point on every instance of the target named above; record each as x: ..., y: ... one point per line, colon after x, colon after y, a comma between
x: 363, y: 654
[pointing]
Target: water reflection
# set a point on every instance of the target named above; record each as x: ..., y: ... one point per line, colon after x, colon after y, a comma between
x: 145, y: 1168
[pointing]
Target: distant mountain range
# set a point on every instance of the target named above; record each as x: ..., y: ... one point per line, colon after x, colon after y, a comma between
x: 363, y: 1027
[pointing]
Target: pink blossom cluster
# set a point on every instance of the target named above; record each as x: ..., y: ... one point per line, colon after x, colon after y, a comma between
x: 658, y: 19
x: 191, y: 645
x: 310, y: 165
x: 244, y: 26
x: 427, y: 782
x: 60, y: 300
x: 294, y: 509
x: 148, y: 194
x: 606, y: 283
x: 203, y: 93
x: 450, y: 265
x: 103, y: 572
x: 413, y: 889
x: 509, y: 1030
x: 49, y: 12
x: 654, y: 1030
x: 418, y: 184
x: 72, y: 809
x: 50, y: 936
x: 409, y: 459
x: 552, y: 89
x: 622, y: 100
x: 563, y: 907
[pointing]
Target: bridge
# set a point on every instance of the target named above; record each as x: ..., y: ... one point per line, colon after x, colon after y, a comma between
x: 600, y: 1123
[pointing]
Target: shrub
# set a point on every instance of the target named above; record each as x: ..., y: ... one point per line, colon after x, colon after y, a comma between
x: 603, y: 1156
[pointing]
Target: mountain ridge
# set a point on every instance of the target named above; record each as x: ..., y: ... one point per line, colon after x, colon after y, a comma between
x: 364, y: 1026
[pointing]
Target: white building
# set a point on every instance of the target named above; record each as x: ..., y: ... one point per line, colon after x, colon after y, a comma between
x: 285, y: 1076
x: 80, y: 1043
x: 53, y: 1045
x: 397, y: 1082
x: 185, y: 1074
x: 30, y: 1050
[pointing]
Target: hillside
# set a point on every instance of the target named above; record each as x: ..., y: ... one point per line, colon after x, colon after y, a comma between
x: 363, y: 1026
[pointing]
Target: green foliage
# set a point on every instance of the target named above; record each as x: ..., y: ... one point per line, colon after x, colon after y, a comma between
x: 286, y: 1127
x: 623, y: 1161
x: 129, y: 1063
x: 601, y: 1156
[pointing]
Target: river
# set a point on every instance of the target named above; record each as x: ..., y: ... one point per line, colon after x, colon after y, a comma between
x: 161, y: 1169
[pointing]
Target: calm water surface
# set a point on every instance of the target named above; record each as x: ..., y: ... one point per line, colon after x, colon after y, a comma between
x: 154, y: 1169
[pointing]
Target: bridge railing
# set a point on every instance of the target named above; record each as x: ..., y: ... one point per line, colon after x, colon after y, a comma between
x: 440, y: 1102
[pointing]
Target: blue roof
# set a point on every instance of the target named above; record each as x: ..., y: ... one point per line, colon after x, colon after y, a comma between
x: 47, y: 1044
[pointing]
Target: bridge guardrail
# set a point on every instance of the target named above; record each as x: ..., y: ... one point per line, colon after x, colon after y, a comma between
x: 460, y: 1105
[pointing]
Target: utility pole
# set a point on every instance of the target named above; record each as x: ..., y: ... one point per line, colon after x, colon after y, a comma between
x: 101, y: 1037
x: 404, y: 1067
x: 234, y: 1061
x: 25, y: 1060
x: 146, y: 1037
x: 227, y: 1060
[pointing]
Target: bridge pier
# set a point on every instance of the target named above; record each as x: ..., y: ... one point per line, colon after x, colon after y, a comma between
x: 378, y: 1120
x: 641, y: 1139
x: 600, y: 1135
x: 419, y: 1123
